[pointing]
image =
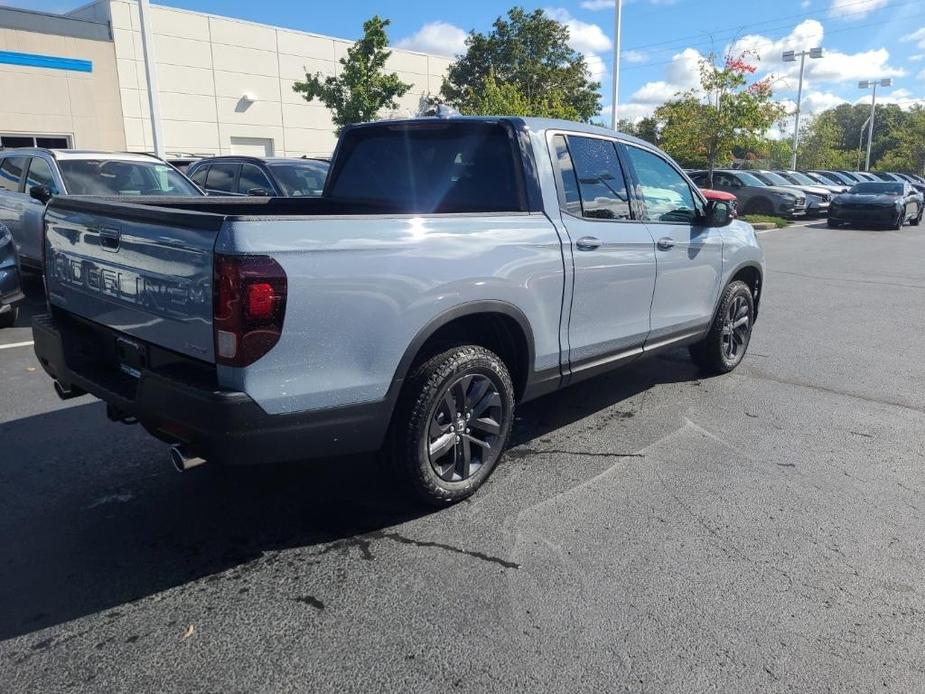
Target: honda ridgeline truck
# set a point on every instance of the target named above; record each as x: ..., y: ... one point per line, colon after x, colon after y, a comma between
x: 451, y: 269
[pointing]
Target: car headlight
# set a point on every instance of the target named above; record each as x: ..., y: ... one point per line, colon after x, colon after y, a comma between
x: 789, y: 197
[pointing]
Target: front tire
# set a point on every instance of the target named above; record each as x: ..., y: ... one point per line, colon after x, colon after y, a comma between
x: 452, y: 425
x: 8, y: 319
x: 723, y: 349
x: 900, y: 221
x: 760, y: 206
x: 918, y: 219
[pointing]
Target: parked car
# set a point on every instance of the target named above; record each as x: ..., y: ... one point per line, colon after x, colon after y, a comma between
x: 271, y: 177
x: 10, y: 287
x: 452, y: 268
x: 29, y: 177
x: 182, y: 162
x: 755, y: 197
x: 799, y: 178
x: 817, y: 197
x: 886, y: 203
x: 835, y: 177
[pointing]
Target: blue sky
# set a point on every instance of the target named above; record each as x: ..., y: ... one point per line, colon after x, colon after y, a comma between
x: 662, y: 39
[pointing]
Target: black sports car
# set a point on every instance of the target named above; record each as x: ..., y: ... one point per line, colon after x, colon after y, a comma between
x: 881, y: 203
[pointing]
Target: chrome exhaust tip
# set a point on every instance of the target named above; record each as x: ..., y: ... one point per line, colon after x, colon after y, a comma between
x: 67, y: 392
x: 182, y: 460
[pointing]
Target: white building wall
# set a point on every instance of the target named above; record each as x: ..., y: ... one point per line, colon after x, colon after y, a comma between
x: 206, y: 64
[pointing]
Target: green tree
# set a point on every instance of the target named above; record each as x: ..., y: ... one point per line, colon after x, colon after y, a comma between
x: 908, y: 154
x: 363, y: 87
x: 527, y: 53
x: 703, y: 130
x: 820, y: 144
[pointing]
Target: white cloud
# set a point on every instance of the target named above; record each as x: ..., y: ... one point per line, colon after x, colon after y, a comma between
x: 439, y: 38
x: 918, y: 37
x: 917, y: 58
x: 805, y: 4
x: 901, y: 97
x: 681, y: 74
x: 634, y: 56
x: 854, y: 9
x: 586, y: 38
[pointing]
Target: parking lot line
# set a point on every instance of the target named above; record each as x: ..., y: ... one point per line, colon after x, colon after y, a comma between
x: 17, y: 344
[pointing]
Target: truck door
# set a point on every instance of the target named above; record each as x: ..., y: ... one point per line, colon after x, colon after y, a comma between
x: 689, y: 254
x: 33, y: 215
x: 613, y: 254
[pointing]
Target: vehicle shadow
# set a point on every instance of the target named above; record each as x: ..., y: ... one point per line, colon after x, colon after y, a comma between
x: 34, y: 302
x: 94, y: 517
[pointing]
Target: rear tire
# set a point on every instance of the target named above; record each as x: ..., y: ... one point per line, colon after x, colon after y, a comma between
x: 8, y: 319
x: 723, y: 349
x: 451, y: 425
x: 918, y: 219
x: 900, y: 220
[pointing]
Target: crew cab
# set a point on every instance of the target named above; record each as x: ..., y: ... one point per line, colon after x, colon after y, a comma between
x: 29, y: 177
x: 452, y: 268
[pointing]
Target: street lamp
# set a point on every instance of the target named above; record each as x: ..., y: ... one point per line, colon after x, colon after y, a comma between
x: 617, y: 21
x: 790, y: 57
x: 867, y: 84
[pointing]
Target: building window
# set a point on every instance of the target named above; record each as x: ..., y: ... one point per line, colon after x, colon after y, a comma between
x: 46, y: 141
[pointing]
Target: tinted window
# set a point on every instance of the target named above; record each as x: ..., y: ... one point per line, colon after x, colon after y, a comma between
x: 566, y: 171
x: 600, y: 178
x: 252, y: 177
x: 429, y: 167
x: 11, y: 172
x: 747, y: 179
x: 40, y: 175
x: 221, y: 177
x: 667, y: 195
x: 873, y: 188
x: 301, y: 178
x: 108, y: 177
x: 199, y: 176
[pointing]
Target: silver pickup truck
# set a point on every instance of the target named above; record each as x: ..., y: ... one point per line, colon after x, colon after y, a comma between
x: 451, y: 269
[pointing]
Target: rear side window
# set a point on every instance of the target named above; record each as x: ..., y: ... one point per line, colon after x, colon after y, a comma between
x: 11, y: 173
x: 432, y: 167
x: 667, y: 196
x: 600, y: 178
x: 40, y: 175
x: 199, y: 176
x: 221, y: 177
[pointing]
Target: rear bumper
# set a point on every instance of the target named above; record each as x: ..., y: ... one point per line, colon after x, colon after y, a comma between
x: 219, y: 425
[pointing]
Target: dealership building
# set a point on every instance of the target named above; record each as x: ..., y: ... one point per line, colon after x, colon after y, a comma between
x: 224, y: 86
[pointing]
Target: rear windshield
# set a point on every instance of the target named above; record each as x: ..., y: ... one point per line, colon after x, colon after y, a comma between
x: 430, y: 167
x: 873, y: 188
x: 107, y: 177
x: 300, y: 179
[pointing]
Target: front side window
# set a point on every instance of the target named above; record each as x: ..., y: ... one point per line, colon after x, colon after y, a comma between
x: 566, y: 170
x: 11, y: 173
x: 114, y: 177
x: 253, y: 178
x: 600, y: 178
x: 40, y: 175
x: 667, y: 196
x: 300, y: 179
x: 199, y: 176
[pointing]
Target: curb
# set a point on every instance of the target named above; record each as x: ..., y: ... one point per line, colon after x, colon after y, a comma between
x: 764, y: 226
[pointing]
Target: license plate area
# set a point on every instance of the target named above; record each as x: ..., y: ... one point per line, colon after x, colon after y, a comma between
x: 132, y: 357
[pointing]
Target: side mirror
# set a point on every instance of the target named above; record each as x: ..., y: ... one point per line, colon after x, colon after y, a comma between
x: 41, y: 193
x: 259, y: 192
x: 719, y: 213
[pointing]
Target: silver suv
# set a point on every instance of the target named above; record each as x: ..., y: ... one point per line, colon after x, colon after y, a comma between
x: 755, y: 197
x: 29, y: 177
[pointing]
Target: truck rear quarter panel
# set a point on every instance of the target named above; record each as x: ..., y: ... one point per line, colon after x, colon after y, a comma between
x: 361, y: 288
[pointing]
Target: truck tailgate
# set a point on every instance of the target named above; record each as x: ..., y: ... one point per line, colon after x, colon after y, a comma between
x: 141, y: 270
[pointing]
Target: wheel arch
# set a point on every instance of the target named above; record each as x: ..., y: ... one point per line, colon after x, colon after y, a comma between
x: 752, y: 274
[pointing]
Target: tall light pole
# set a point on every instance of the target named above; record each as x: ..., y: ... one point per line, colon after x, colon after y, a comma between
x: 861, y: 141
x: 147, y: 47
x: 617, y: 22
x: 867, y: 84
x: 790, y: 57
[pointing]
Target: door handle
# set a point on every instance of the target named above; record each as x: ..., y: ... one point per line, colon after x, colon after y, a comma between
x: 588, y: 243
x: 666, y: 243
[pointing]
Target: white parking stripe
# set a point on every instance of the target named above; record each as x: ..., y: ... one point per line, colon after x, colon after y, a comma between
x: 17, y: 344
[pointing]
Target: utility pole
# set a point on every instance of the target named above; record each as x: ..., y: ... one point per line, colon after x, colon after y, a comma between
x: 867, y: 84
x: 790, y: 57
x: 617, y: 25
x: 147, y: 46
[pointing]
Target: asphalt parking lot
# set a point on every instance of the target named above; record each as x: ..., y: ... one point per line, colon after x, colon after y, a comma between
x: 648, y: 531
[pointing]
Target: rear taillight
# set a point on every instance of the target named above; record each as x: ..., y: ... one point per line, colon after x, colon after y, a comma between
x: 249, y: 305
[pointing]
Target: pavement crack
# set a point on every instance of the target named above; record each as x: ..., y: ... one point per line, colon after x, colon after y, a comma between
x: 401, y: 539
x: 850, y: 280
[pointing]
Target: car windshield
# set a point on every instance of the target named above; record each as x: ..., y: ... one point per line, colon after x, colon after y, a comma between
x: 300, y: 179
x: 802, y: 178
x: 749, y: 179
x: 105, y: 177
x: 834, y: 177
x: 873, y: 188
x: 772, y: 179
